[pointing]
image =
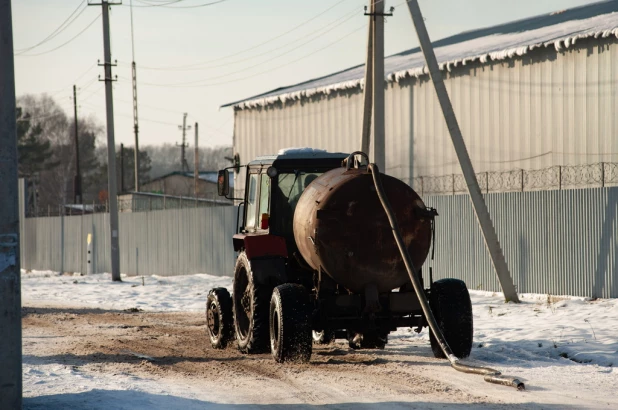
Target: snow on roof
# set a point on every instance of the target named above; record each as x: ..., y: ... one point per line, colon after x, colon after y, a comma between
x: 559, y: 29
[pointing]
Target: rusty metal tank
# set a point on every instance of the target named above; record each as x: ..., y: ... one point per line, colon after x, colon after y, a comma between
x: 341, y: 227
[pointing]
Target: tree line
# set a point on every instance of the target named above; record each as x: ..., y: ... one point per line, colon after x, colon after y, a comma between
x: 46, y: 156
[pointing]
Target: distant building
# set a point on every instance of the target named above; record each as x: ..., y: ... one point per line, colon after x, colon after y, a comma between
x: 182, y: 184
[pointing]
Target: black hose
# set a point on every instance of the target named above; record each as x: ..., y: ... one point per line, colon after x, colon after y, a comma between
x: 491, y: 375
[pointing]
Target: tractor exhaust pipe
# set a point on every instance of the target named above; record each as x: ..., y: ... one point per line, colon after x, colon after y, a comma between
x: 491, y: 375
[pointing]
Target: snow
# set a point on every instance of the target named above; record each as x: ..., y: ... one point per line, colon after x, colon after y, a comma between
x: 560, y: 30
x: 303, y: 150
x: 553, y: 343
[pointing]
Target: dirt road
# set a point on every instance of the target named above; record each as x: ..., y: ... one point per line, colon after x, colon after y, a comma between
x: 172, y: 349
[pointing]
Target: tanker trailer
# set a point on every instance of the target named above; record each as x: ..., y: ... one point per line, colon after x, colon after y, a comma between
x: 317, y: 260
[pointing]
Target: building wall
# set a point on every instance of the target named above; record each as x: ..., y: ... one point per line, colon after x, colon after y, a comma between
x: 543, y: 109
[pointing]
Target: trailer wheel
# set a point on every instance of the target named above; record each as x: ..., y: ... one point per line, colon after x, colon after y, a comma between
x: 250, y: 309
x: 323, y: 337
x: 450, y: 303
x: 369, y: 340
x: 290, y: 324
x: 219, y: 320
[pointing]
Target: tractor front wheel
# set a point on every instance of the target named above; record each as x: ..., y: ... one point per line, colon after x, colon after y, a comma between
x: 219, y: 321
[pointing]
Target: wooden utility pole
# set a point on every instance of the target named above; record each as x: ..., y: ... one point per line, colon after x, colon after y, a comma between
x: 121, y: 168
x: 196, y: 166
x: 10, y: 285
x: 111, y: 145
x: 77, y: 180
x: 478, y: 203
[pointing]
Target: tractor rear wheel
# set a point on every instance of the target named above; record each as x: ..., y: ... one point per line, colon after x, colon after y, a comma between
x: 451, y: 306
x: 251, y: 302
x: 219, y: 320
x: 290, y: 324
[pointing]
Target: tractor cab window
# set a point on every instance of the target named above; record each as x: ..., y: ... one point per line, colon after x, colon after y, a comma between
x: 264, y: 205
x: 251, y: 207
x: 292, y: 185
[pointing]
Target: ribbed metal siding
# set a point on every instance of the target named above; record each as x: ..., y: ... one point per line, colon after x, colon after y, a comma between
x: 555, y: 242
x: 543, y: 109
x: 170, y: 242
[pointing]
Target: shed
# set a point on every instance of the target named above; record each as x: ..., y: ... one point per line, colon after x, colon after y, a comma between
x: 532, y: 96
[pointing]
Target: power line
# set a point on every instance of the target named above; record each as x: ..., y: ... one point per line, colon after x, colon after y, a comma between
x: 322, y: 31
x: 63, y: 44
x: 252, y: 47
x: 57, y: 31
x: 171, y: 2
x: 227, y: 74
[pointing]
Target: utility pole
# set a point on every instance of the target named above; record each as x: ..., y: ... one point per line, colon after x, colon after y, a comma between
x: 135, y: 122
x: 111, y: 145
x: 478, y: 203
x: 196, y: 166
x: 183, y: 159
x: 77, y: 181
x: 378, y: 84
x: 10, y: 285
x: 368, y: 89
x: 122, y: 168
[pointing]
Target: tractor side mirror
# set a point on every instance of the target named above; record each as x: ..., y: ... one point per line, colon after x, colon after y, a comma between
x: 223, y: 182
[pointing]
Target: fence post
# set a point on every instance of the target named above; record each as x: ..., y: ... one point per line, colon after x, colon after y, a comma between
x: 522, y: 180
x: 453, y: 177
x: 422, y: 187
x: 487, y: 182
x: 164, y: 203
x: 560, y: 177
x: 602, y: 174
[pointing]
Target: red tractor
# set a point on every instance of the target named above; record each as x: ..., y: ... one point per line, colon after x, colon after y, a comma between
x: 317, y: 261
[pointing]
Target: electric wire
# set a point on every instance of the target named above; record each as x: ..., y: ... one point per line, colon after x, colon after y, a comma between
x: 185, y: 85
x: 57, y: 31
x: 169, y: 4
x: 252, y: 47
x: 65, y: 43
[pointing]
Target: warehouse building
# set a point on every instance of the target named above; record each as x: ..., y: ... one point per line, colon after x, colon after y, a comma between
x: 535, y: 100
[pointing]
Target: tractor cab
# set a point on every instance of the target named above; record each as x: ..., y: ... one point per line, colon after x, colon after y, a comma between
x: 273, y: 186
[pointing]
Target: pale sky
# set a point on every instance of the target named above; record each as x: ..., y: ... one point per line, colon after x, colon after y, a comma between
x: 195, y: 59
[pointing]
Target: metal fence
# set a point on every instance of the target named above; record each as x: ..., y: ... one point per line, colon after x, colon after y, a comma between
x: 162, y: 242
x: 554, y: 242
x: 557, y: 177
x: 560, y: 242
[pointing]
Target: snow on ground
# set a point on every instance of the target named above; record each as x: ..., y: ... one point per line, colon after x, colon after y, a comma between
x: 564, y: 341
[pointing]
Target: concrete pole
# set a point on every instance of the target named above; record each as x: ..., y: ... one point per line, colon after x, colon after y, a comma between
x: 10, y: 286
x: 77, y: 182
x: 196, y: 165
x: 111, y: 147
x: 378, y: 84
x: 368, y: 90
x: 478, y: 203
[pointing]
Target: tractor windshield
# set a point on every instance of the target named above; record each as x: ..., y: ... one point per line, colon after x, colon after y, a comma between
x: 290, y: 186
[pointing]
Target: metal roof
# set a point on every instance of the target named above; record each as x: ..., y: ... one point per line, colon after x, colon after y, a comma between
x: 560, y: 29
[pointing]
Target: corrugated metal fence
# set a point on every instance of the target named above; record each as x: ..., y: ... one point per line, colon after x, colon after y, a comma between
x: 170, y: 242
x: 555, y: 242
